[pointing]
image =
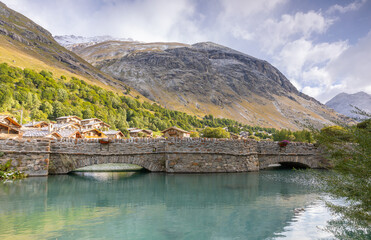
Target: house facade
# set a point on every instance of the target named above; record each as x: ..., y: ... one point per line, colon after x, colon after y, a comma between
x: 114, y: 134
x: 93, y: 133
x: 137, y: 132
x: 175, y: 132
x: 9, y: 126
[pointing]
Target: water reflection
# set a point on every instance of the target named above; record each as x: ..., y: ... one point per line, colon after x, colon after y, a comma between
x: 155, y: 205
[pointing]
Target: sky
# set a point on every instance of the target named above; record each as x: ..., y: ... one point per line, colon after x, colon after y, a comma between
x: 322, y: 46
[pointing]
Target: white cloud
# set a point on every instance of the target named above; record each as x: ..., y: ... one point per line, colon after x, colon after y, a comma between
x: 352, y: 67
x: 302, y: 56
x: 292, y: 40
x: 275, y: 33
x: 343, y: 9
x: 146, y: 20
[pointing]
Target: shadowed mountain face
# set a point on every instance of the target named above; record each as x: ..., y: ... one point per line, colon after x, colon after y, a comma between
x: 25, y: 44
x: 345, y: 104
x: 206, y: 78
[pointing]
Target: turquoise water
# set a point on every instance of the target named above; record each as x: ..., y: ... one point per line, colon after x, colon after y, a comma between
x: 163, y: 206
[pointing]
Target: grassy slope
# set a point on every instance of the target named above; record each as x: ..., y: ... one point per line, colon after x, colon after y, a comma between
x: 16, y: 55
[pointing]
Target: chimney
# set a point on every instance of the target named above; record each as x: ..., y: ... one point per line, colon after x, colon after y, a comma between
x: 50, y: 127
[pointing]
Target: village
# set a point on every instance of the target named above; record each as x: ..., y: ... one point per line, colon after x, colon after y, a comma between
x: 73, y: 127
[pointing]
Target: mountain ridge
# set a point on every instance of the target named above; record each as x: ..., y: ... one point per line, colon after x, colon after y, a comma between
x: 344, y: 102
x: 23, y: 43
x: 206, y: 78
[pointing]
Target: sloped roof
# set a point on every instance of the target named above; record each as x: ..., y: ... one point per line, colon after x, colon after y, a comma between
x: 31, y: 124
x: 10, y: 119
x: 64, y: 117
x: 93, y: 123
x: 65, y: 133
x: 39, y: 133
x: 89, y: 119
x: 113, y: 132
x: 175, y: 128
x: 57, y: 126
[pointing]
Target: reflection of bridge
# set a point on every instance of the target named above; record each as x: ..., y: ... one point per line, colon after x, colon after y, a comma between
x: 172, y: 155
x: 253, y: 205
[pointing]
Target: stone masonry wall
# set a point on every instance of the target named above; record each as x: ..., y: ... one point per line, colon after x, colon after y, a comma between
x: 28, y: 156
x: 301, y: 154
x: 211, y: 155
x: 40, y: 157
x: 172, y: 155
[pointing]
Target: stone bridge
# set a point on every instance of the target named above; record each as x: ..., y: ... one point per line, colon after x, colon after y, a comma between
x: 43, y: 157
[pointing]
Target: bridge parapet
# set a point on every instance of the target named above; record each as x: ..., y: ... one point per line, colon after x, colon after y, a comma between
x: 40, y: 157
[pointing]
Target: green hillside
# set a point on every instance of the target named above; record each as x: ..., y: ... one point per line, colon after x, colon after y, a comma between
x: 43, y: 96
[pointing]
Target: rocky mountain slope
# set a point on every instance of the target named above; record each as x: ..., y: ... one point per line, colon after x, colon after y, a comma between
x: 345, y: 103
x: 25, y: 44
x: 206, y: 78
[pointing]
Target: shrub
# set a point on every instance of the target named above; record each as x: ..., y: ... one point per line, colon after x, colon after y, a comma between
x: 7, y: 173
x: 283, y: 143
x: 215, y: 133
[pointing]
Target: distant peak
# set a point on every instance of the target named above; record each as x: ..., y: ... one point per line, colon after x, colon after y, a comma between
x: 209, y: 45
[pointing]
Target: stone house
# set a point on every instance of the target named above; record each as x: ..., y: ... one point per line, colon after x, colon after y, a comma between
x: 92, y: 133
x: 94, y: 123
x: 66, y: 133
x: 114, y: 134
x: 69, y: 119
x: 9, y: 126
x: 175, y: 132
x: 137, y: 132
x: 62, y: 126
x: 33, y: 124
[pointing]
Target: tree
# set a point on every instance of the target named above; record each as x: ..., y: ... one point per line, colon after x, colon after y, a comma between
x: 350, y: 179
x: 195, y: 134
x: 47, y: 108
x: 215, y: 133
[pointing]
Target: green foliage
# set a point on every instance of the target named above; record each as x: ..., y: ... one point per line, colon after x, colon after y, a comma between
x: 215, y: 133
x: 43, y: 97
x: 6, y: 173
x: 349, y: 150
x: 298, y: 136
x: 195, y: 134
x: 337, y: 133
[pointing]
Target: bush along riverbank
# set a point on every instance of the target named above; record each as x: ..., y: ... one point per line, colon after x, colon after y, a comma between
x: 7, y: 173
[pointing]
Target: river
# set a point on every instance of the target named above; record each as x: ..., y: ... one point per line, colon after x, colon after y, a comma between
x: 138, y: 205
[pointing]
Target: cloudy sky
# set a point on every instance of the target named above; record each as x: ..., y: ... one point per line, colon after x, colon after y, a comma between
x: 323, y: 47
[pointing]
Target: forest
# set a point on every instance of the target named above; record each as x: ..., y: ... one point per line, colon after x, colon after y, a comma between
x: 43, y: 96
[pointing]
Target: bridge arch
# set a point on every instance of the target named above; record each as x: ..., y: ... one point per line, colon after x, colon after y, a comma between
x: 65, y: 163
x: 297, y: 165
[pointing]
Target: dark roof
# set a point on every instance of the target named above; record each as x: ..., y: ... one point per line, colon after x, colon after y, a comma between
x: 175, y: 128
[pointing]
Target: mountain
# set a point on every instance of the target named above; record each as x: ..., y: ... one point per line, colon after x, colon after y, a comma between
x: 25, y: 44
x: 207, y: 78
x: 68, y: 40
x: 345, y: 103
